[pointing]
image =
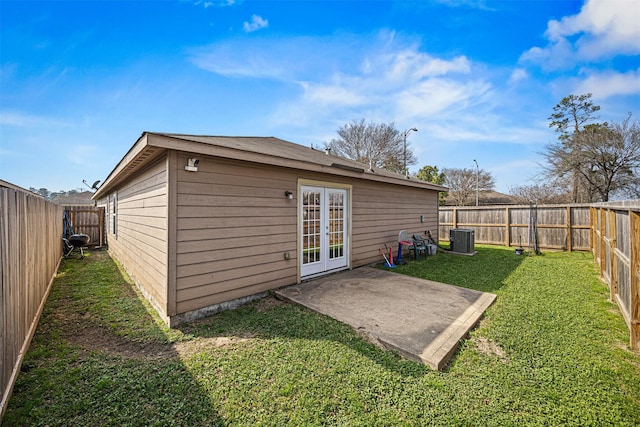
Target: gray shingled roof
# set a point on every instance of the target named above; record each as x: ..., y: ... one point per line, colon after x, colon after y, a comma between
x: 264, y: 150
x: 271, y: 146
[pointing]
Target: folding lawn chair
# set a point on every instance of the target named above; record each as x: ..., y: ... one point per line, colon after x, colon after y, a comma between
x: 419, y: 245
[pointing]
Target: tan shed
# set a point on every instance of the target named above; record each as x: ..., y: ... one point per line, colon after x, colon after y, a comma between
x: 204, y: 223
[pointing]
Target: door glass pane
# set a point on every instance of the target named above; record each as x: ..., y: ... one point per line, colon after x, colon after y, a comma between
x: 336, y: 225
x: 310, y: 227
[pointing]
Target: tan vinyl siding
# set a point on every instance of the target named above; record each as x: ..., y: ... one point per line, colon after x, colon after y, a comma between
x: 193, y: 240
x: 234, y: 226
x: 380, y: 211
x: 140, y: 243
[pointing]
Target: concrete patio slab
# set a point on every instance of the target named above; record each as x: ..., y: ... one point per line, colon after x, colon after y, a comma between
x: 422, y: 320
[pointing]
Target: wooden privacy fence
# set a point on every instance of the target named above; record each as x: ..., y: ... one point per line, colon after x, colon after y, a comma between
x: 558, y: 227
x: 611, y: 231
x: 615, y: 243
x: 88, y: 220
x: 30, y: 252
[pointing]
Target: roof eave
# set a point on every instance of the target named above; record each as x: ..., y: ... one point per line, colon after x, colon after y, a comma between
x: 170, y: 142
x: 150, y: 144
x: 123, y: 166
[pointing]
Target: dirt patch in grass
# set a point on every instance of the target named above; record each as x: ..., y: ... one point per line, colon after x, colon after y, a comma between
x: 95, y: 338
x: 91, y: 337
x: 129, y: 334
x: 268, y: 303
x: 187, y: 349
x: 80, y: 331
x: 490, y: 348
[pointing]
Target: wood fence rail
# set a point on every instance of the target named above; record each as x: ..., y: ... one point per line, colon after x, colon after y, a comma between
x: 30, y: 253
x: 559, y: 227
x: 611, y: 231
x: 615, y: 243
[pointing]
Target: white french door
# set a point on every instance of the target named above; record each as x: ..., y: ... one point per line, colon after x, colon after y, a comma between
x: 323, y: 229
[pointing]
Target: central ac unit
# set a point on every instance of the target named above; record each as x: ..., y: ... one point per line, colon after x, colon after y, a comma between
x: 462, y: 240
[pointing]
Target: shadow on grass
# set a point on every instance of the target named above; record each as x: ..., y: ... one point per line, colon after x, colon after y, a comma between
x: 102, y: 356
x: 286, y: 320
x: 486, y: 271
x: 98, y: 357
x: 270, y: 319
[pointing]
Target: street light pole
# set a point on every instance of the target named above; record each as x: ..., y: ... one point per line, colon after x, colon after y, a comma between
x: 477, y: 179
x: 406, y: 132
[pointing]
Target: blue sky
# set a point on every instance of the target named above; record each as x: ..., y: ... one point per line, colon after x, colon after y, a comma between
x: 81, y: 80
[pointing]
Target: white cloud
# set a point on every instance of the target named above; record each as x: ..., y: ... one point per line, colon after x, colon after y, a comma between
x: 257, y: 23
x: 218, y: 3
x: 290, y: 59
x: 609, y: 83
x: 17, y: 119
x: 327, y: 82
x: 296, y: 58
x: 237, y: 59
x: 602, y: 29
x: 484, y: 128
x: 473, y: 4
x: 518, y: 75
x: 555, y: 56
x: 334, y: 95
x: 612, y: 25
x: 393, y: 81
x: 438, y: 95
x: 412, y: 64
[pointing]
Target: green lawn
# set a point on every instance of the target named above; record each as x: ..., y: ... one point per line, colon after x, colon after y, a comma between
x: 550, y: 351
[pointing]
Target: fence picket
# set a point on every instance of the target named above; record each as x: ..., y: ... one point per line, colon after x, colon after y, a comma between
x: 615, y: 230
x: 559, y: 227
x: 30, y: 251
x: 610, y: 231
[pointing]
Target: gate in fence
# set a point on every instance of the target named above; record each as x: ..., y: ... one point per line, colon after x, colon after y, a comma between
x: 88, y: 220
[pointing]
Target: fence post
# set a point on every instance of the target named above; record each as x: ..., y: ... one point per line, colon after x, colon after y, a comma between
x: 613, y: 259
x: 592, y: 226
x: 634, y: 312
x: 455, y: 218
x: 507, y: 227
x: 101, y: 225
x: 602, y: 242
x: 569, y: 237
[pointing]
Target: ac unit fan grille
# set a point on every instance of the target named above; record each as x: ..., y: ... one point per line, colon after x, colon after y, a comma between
x: 462, y: 240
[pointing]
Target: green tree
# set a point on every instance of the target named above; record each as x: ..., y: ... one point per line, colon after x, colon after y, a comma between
x: 571, y: 114
x: 569, y: 118
x: 433, y: 175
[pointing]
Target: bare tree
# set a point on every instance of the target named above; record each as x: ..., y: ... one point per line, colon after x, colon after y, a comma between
x: 462, y: 185
x: 631, y: 191
x: 606, y: 157
x: 380, y: 145
x: 549, y: 193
